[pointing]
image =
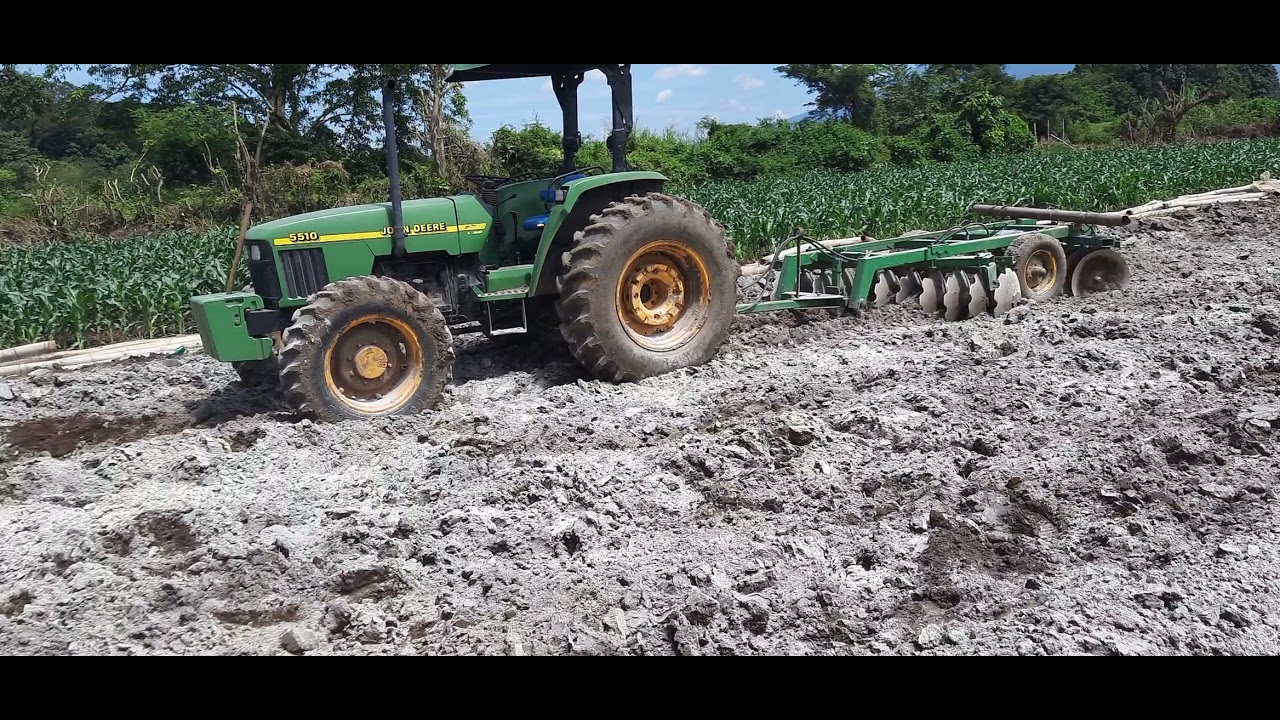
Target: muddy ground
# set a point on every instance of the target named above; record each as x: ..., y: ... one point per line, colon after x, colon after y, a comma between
x: 1085, y: 476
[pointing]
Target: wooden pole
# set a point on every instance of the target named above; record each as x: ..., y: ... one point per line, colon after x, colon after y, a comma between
x: 235, y: 259
x: 26, y: 351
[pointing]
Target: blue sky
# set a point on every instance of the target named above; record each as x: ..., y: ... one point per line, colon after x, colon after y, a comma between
x: 674, y: 96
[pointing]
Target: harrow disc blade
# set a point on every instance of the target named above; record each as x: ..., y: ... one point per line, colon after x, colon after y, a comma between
x: 1007, y: 292
x: 1100, y: 271
x: 1072, y: 261
x: 979, y: 295
x: 885, y: 289
x: 910, y: 285
x: 955, y: 299
x: 931, y: 296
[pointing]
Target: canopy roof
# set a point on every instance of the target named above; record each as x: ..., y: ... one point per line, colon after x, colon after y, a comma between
x: 467, y: 73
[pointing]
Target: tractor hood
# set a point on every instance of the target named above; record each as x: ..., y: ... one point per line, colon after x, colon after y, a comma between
x: 357, y: 219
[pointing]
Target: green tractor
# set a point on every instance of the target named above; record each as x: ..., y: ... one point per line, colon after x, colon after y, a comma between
x: 353, y: 310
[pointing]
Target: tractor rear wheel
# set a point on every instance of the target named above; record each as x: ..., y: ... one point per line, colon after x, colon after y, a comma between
x: 1041, y: 264
x: 649, y: 286
x: 366, y: 347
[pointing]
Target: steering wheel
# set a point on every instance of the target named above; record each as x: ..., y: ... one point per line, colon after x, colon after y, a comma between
x: 488, y: 182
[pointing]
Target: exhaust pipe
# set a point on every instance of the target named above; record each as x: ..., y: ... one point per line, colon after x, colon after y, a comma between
x: 1069, y: 216
x: 393, y: 170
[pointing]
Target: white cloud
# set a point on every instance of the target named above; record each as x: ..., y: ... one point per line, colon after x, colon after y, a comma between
x: 664, y: 96
x: 735, y: 105
x: 748, y: 82
x: 780, y: 115
x: 675, y: 71
x: 546, y: 86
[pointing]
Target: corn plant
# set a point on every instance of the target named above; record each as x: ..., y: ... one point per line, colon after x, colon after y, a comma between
x: 88, y: 292
x: 888, y: 201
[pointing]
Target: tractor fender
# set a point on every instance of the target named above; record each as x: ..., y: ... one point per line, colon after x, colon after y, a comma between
x: 585, y: 198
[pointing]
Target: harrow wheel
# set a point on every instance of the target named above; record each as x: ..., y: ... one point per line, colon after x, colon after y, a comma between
x: 1100, y: 271
x: 649, y: 286
x: 1041, y: 265
x: 366, y: 347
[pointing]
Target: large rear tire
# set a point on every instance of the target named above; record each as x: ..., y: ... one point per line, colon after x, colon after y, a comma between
x: 366, y: 347
x: 649, y: 286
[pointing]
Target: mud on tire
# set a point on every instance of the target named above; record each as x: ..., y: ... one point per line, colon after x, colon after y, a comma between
x: 649, y: 286
x: 348, y: 332
x: 1041, y: 265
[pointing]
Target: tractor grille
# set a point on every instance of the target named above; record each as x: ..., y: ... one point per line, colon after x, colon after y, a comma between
x: 304, y: 271
x: 262, y: 273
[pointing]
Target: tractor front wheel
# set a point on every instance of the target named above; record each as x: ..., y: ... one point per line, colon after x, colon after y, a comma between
x: 366, y: 347
x: 648, y: 287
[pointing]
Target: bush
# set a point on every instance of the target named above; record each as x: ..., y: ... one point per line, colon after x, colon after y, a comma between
x: 1234, y: 119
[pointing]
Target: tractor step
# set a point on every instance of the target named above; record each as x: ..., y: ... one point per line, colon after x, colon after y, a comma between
x: 496, y: 325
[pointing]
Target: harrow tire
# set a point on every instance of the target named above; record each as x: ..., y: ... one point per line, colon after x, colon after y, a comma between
x: 313, y: 384
x: 1041, y: 265
x: 669, y: 259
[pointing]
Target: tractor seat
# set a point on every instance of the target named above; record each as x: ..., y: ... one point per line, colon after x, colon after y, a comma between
x: 536, y: 222
x: 548, y: 195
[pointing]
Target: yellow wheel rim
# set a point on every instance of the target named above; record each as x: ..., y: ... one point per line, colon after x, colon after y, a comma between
x: 663, y: 295
x: 374, y: 365
x: 1040, y: 271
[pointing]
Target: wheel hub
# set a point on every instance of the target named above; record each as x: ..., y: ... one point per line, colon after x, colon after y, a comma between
x: 663, y: 295
x: 656, y: 293
x: 1040, y: 270
x: 375, y: 364
x: 371, y: 362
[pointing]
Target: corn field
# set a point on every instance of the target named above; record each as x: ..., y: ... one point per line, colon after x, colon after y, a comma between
x: 93, y: 291
x: 887, y: 201
x: 97, y: 291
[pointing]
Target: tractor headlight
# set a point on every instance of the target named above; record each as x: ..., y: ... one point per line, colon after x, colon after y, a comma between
x: 561, y: 194
x: 255, y: 253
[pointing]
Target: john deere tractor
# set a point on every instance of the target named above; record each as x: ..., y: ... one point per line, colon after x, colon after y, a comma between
x: 353, y: 310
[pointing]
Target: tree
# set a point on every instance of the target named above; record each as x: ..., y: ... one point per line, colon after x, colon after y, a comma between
x: 906, y: 100
x: 1260, y: 81
x: 843, y: 90
x: 444, y: 116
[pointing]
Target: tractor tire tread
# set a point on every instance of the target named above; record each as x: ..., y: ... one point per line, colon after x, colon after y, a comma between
x: 316, y: 318
x: 581, y: 276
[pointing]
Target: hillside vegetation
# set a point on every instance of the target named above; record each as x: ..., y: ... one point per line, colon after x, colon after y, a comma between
x: 155, y: 147
x: 82, y: 292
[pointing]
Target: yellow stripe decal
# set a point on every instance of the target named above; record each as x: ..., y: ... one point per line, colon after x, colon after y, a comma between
x: 304, y: 238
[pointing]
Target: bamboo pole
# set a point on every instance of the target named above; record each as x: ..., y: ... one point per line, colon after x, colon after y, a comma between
x: 131, y: 344
x: 99, y: 356
x: 26, y: 351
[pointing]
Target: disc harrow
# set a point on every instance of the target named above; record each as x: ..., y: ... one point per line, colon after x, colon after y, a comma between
x: 981, y: 268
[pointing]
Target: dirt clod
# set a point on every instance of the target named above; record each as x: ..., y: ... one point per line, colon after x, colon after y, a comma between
x: 1087, y: 475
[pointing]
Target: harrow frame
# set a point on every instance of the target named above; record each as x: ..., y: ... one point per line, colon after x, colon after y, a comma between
x: 842, y: 273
